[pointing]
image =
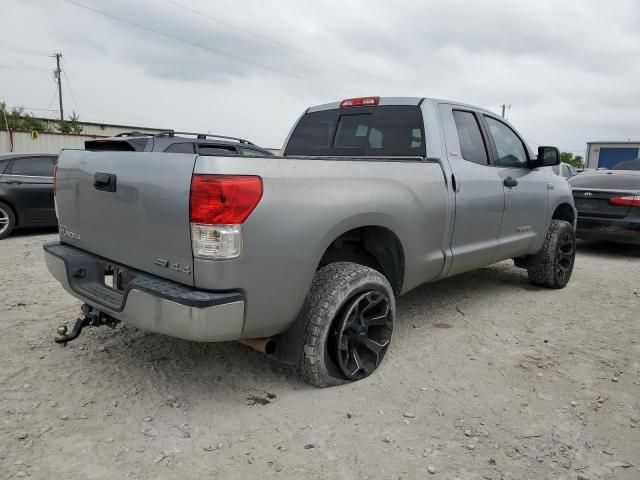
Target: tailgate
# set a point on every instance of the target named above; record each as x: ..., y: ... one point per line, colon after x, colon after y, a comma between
x: 595, y: 203
x: 129, y: 207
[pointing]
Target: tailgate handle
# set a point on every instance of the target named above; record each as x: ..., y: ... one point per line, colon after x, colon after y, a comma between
x: 105, y: 182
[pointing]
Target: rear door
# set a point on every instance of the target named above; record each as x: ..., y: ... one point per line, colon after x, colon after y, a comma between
x: 524, y: 224
x: 479, y: 193
x: 28, y: 185
x: 129, y: 207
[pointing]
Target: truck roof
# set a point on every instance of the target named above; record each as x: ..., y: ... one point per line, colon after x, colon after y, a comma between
x: 398, y: 101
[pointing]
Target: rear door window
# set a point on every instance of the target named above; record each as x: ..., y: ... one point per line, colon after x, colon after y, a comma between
x: 214, y: 150
x: 382, y: 131
x: 249, y: 152
x: 185, y: 147
x: 472, y: 147
x: 32, y: 166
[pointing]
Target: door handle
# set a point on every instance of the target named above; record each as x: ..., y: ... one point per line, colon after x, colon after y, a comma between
x: 105, y: 182
x: 510, y: 182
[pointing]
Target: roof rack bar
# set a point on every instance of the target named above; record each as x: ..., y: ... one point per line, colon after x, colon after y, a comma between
x: 171, y: 133
x: 134, y: 134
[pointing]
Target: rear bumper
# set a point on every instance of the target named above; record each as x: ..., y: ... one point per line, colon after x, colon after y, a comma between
x: 613, y: 230
x: 148, y: 302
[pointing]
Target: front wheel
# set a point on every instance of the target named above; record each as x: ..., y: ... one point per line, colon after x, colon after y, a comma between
x: 348, y: 318
x: 552, y: 266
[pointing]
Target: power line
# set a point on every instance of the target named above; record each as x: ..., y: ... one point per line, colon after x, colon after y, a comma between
x: 23, y: 51
x: 204, y: 47
x: 73, y: 97
x: 286, y: 45
x: 21, y: 67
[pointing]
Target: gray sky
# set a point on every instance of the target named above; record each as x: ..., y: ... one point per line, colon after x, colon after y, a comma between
x: 570, y: 69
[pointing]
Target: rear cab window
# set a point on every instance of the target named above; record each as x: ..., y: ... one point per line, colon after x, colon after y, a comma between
x: 380, y: 131
x: 32, y: 167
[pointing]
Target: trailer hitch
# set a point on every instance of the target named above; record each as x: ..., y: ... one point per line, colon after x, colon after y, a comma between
x: 89, y: 317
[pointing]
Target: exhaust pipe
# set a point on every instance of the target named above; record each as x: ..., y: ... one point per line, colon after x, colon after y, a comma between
x: 264, y: 345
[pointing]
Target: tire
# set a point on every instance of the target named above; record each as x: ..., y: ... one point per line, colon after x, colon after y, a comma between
x: 552, y: 266
x: 7, y: 220
x: 348, y: 319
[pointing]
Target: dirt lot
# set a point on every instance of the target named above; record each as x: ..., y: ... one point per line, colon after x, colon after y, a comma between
x: 487, y: 378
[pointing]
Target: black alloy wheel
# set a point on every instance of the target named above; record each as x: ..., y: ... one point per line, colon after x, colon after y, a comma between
x: 361, y: 334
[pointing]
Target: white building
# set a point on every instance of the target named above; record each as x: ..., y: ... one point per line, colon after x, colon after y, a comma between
x: 53, y: 142
x: 609, y: 154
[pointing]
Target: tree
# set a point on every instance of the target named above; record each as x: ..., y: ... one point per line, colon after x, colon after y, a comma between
x: 575, y: 160
x: 70, y: 126
x: 18, y: 119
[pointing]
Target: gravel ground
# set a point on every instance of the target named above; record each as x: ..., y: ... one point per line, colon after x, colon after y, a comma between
x: 487, y: 378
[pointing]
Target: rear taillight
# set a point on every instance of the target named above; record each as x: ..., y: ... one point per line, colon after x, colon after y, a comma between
x: 629, y: 201
x: 360, y: 102
x: 219, y: 205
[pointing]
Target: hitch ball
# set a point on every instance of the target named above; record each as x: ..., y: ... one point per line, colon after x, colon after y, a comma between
x: 62, y: 330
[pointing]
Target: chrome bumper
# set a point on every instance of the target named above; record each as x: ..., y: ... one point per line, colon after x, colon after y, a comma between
x: 148, y: 303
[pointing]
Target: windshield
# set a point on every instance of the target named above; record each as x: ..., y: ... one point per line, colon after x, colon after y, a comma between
x: 388, y: 130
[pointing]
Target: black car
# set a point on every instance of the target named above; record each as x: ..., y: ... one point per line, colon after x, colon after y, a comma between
x: 608, y: 204
x: 26, y: 191
x: 178, y: 142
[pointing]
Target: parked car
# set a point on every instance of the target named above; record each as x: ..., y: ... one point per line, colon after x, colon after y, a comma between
x: 178, y: 142
x: 608, y: 203
x: 564, y: 170
x: 26, y: 191
x: 628, y: 165
x: 303, y: 255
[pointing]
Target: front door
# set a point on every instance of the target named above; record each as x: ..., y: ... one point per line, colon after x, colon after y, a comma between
x: 524, y: 223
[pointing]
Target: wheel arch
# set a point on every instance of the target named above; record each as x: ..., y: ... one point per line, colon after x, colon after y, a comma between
x: 565, y: 211
x: 373, y: 246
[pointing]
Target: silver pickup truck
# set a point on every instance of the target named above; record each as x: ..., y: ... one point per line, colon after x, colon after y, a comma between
x: 302, y: 255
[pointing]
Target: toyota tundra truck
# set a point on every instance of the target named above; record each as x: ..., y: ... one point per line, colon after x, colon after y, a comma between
x: 303, y: 255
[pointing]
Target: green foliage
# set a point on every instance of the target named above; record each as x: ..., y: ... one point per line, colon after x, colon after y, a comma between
x: 18, y: 119
x: 70, y: 126
x: 575, y: 160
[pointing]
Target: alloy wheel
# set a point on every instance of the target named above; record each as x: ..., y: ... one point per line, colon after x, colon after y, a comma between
x: 4, y: 220
x: 565, y: 255
x: 362, y: 334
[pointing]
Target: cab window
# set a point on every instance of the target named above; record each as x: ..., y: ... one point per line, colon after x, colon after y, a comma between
x: 472, y: 147
x: 511, y: 151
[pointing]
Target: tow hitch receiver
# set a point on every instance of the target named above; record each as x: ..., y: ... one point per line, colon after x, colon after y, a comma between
x: 89, y: 317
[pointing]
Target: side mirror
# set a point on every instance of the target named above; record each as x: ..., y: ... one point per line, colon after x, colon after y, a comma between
x: 547, y: 157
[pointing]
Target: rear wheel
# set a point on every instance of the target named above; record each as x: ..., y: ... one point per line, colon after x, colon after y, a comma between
x: 348, y: 317
x: 552, y: 266
x: 7, y: 220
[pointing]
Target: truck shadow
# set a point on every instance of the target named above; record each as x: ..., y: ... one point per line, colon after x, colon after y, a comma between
x: 235, y: 374
x: 608, y: 249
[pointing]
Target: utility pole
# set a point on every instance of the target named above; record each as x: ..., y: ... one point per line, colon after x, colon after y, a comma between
x: 59, y: 77
x: 504, y: 110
